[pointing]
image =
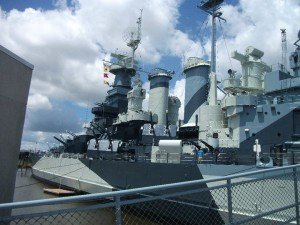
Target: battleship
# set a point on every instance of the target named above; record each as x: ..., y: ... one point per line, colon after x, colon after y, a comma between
x: 256, y: 124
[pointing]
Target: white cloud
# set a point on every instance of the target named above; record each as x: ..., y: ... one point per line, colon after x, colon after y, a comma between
x: 179, y: 91
x: 62, y: 4
x: 38, y: 101
x: 39, y: 141
x: 146, y: 86
x: 67, y: 44
x: 257, y: 23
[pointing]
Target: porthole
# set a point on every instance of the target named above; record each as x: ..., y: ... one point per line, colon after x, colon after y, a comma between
x: 278, y: 134
x: 266, y: 113
x: 278, y: 113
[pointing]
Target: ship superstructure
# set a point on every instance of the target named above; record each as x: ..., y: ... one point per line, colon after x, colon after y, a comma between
x: 260, y: 107
x: 256, y: 125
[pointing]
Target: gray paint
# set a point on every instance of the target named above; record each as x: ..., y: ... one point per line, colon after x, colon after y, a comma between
x: 123, y: 76
x: 196, y: 86
x: 15, y: 77
x: 193, y: 104
x: 158, y: 94
x: 268, y: 126
x: 117, y: 96
x: 159, y: 84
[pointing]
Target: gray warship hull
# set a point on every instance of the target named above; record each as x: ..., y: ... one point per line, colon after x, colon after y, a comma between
x: 255, y: 126
x: 94, y: 176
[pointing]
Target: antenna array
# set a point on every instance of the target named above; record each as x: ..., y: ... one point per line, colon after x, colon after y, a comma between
x: 284, y: 49
x: 134, y: 37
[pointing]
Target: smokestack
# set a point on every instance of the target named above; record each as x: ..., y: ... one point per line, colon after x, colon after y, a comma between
x: 159, y: 92
x: 173, y: 108
x: 196, y: 73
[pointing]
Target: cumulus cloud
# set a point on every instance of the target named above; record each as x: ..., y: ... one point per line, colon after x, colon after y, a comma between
x: 179, y: 91
x: 256, y: 23
x: 146, y: 86
x: 67, y: 44
x: 38, y: 101
x: 248, y: 23
x: 55, y: 120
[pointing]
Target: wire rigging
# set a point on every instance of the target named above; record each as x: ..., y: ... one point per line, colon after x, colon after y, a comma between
x: 223, y: 36
x: 203, y: 34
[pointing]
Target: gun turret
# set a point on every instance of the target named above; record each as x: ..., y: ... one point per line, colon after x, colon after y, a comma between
x: 61, y: 141
x: 71, y: 133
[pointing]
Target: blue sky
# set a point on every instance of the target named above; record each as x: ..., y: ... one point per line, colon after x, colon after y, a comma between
x: 62, y: 40
x: 7, y: 5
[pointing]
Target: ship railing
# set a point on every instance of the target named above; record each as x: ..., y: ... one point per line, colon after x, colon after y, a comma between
x: 279, y: 159
x: 73, y: 155
x: 264, y: 196
x: 282, y: 159
x: 280, y: 99
x: 168, y: 157
x: 143, y: 158
x: 278, y: 66
x: 115, y: 156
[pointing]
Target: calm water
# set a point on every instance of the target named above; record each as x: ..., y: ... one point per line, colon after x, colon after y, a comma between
x: 28, y: 188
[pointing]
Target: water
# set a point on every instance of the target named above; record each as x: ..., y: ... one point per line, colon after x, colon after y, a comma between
x: 28, y: 188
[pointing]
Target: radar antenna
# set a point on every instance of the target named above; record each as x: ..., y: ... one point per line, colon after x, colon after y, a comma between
x: 133, y: 37
x: 283, y: 50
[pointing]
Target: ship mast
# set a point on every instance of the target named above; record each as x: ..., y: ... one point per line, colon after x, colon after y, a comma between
x: 135, y: 39
x: 212, y: 7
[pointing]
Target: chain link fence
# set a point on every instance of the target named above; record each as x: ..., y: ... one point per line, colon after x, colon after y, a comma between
x: 267, y: 196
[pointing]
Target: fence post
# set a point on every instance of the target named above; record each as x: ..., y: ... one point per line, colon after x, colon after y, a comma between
x: 118, y: 212
x: 229, y: 199
x: 296, y: 195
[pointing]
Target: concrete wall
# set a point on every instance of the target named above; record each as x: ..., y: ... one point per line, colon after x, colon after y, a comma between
x: 15, y: 77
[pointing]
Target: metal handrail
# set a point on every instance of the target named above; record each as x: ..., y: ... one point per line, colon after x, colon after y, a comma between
x: 136, y: 190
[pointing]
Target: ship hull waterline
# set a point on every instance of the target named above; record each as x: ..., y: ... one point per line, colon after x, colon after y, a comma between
x: 96, y: 176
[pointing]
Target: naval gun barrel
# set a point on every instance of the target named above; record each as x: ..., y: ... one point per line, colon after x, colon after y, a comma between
x: 61, y: 141
x: 71, y: 133
x: 97, y: 127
